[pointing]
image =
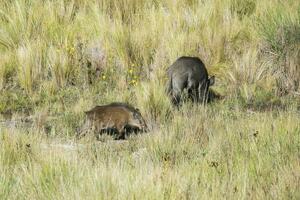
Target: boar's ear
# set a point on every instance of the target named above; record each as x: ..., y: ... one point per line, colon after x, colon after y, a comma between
x: 211, y: 80
x: 137, y: 110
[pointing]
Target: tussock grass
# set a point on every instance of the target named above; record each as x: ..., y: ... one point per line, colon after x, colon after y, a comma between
x: 60, y: 58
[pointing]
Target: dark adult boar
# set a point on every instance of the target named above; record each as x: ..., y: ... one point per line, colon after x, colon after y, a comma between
x: 189, y: 73
x: 118, y: 118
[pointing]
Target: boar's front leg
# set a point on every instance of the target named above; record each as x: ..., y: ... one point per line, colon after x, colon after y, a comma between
x: 120, y: 133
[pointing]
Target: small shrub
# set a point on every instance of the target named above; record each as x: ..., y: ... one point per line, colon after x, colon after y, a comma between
x: 280, y: 29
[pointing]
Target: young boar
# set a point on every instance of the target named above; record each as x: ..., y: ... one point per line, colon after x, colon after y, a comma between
x: 117, y: 118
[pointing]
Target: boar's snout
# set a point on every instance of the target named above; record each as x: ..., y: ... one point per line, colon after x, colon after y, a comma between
x: 140, y: 121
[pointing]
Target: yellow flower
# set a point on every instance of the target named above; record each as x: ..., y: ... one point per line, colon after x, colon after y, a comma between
x: 133, y: 82
x: 103, y: 77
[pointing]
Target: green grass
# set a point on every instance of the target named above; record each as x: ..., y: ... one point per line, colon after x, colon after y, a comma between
x: 60, y: 58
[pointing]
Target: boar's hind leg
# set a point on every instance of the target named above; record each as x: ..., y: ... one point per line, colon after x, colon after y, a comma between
x: 176, y: 96
x: 192, y: 90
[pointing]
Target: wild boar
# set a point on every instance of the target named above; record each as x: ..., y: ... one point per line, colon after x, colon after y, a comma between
x: 115, y: 118
x: 188, y: 73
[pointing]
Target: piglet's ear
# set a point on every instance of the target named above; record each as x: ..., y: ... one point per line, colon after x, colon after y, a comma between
x: 211, y: 80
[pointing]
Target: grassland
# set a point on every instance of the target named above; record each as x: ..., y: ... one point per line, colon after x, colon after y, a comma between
x: 246, y: 146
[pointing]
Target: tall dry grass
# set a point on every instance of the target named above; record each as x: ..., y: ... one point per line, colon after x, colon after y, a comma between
x: 213, y: 155
x: 59, y: 58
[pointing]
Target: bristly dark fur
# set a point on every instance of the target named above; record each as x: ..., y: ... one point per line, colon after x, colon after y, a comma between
x: 188, y: 73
